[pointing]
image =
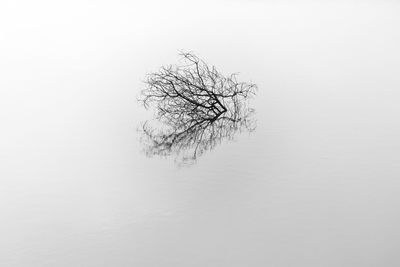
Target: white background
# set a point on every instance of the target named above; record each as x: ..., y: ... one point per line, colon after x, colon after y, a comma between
x: 316, y: 185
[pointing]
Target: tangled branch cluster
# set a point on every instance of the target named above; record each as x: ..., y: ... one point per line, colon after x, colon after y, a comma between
x: 198, y: 106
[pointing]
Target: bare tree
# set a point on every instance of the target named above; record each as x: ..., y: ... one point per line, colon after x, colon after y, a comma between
x: 197, y: 106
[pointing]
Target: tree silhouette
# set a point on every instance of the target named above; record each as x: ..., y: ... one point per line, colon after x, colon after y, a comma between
x: 197, y: 107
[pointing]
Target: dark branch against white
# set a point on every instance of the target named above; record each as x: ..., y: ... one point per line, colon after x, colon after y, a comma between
x: 197, y: 105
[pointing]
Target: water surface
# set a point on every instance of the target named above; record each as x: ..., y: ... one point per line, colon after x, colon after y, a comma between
x: 316, y: 185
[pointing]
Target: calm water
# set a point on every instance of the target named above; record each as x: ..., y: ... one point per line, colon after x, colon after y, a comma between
x: 316, y: 185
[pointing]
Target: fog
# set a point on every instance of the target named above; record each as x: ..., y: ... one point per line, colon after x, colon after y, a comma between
x: 317, y: 184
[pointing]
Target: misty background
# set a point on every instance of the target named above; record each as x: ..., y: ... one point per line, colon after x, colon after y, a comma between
x: 317, y: 184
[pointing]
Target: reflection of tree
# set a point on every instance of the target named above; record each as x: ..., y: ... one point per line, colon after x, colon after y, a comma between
x: 197, y: 106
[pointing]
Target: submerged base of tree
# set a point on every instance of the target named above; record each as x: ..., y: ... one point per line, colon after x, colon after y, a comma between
x: 196, y: 108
